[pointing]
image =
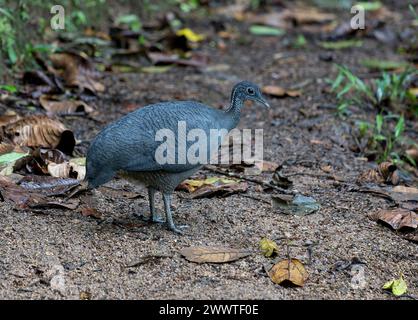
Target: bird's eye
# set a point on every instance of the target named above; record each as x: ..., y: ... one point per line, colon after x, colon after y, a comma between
x: 250, y: 91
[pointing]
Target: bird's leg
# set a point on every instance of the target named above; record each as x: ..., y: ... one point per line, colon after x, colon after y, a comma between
x: 169, y: 218
x: 154, y: 215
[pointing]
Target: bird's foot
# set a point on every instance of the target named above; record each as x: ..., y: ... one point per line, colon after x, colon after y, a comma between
x: 151, y: 218
x: 178, y: 229
x: 157, y: 219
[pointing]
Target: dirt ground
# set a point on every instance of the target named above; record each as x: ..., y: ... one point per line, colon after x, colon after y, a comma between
x: 94, y: 255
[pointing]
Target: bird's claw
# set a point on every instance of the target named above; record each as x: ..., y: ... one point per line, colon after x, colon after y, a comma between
x: 154, y: 219
x: 178, y: 229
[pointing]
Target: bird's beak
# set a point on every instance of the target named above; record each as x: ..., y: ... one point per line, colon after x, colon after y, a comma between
x: 263, y: 101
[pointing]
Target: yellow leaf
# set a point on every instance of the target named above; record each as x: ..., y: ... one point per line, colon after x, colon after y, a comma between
x: 190, y: 35
x: 268, y: 247
x: 398, y: 286
x: 388, y: 285
x: 289, y: 270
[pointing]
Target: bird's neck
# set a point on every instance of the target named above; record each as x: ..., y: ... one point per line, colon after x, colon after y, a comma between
x: 234, y: 110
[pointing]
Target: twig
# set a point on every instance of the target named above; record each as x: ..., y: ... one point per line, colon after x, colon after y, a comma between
x: 255, y: 198
x: 242, y: 177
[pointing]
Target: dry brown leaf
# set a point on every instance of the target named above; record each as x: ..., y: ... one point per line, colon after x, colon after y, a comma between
x: 5, y: 119
x: 6, y: 148
x: 288, y: 271
x: 277, y: 91
x: 67, y: 169
x: 413, y: 153
x: 50, y: 104
x: 307, y: 15
x: 41, y: 131
x: 205, y: 254
x: 213, y: 186
x: 386, y: 172
x: 77, y: 71
x: 397, y: 218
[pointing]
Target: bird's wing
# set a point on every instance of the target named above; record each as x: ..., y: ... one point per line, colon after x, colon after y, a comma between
x: 139, y: 152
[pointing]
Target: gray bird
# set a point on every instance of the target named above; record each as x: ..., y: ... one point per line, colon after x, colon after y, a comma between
x: 128, y: 146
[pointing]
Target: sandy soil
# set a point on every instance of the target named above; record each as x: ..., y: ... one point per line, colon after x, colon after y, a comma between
x: 93, y: 255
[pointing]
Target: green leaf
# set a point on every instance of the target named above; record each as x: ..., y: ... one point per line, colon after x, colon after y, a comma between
x: 343, y: 44
x: 369, y: 6
x: 11, y: 157
x: 266, y: 31
x: 379, y: 137
x: 397, y: 286
x: 400, y: 126
x: 383, y: 64
x: 388, y: 285
x: 8, y: 87
x: 379, y: 123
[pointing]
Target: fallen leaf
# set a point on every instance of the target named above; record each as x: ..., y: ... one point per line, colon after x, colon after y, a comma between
x: 268, y: 247
x: 260, y: 30
x: 397, y: 218
x: 190, y: 35
x: 41, y: 131
x: 397, y: 286
x: 378, y: 64
x: 297, y: 205
x: 54, y: 106
x: 307, y: 15
x: 342, y: 44
x: 280, y: 180
x: 11, y: 157
x: 277, y: 91
x: 47, y: 185
x: 386, y: 172
x: 5, y: 119
x: 205, y: 254
x: 77, y: 71
x: 67, y: 169
x: 85, y: 295
x: 213, y: 186
x: 288, y: 271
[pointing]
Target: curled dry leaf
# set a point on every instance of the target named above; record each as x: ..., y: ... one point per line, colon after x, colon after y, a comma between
x: 54, y: 106
x: 204, y: 254
x: 397, y: 218
x: 47, y: 185
x: 386, y: 172
x: 41, y: 131
x: 25, y: 198
x: 67, y: 169
x: 288, y: 271
x: 77, y: 71
x: 268, y: 247
x: 280, y: 92
x: 5, y: 119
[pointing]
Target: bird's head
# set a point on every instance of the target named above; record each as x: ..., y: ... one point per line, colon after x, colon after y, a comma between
x: 246, y: 90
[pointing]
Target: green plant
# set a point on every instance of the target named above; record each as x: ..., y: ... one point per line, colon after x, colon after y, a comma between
x: 131, y: 21
x: 388, y: 90
x: 383, y: 136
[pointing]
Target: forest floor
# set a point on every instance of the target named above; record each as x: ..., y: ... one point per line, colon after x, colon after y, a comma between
x: 97, y: 257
